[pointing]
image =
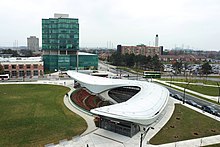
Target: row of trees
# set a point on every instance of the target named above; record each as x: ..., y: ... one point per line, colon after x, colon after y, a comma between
x: 139, y: 61
x: 152, y: 63
x: 15, y: 53
x: 1, y: 69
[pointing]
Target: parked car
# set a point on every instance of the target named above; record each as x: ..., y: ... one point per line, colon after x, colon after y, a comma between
x: 191, y: 102
x: 177, y: 96
x: 171, y: 94
x: 210, y: 109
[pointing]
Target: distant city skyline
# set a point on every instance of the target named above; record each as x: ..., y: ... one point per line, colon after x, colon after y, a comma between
x: 182, y: 23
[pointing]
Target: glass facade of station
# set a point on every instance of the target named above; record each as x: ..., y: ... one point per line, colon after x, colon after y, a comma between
x: 68, y: 62
x: 119, y: 126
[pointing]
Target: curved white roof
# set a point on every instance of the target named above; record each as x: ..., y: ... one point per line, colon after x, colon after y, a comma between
x: 142, y: 108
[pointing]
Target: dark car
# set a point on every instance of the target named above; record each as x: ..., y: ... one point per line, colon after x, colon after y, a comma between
x: 177, y: 96
x: 210, y: 109
x: 191, y: 102
x: 171, y: 94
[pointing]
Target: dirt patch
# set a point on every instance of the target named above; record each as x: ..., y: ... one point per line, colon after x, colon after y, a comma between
x: 196, y: 133
x: 213, y: 130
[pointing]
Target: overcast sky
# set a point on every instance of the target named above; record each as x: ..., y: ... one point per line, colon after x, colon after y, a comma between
x: 183, y: 23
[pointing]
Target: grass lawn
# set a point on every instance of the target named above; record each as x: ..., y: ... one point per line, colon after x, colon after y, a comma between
x: 212, y: 91
x: 204, y: 81
x: 34, y: 115
x: 184, y: 124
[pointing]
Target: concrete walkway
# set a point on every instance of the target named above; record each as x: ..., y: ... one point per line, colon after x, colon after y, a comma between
x: 88, y: 118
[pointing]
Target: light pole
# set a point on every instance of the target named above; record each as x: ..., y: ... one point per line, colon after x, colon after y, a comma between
x: 77, y: 61
x: 144, y: 134
x: 184, y: 93
x: 137, y: 70
x: 218, y: 92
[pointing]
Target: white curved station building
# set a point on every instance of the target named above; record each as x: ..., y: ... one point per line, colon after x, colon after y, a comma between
x: 134, y: 103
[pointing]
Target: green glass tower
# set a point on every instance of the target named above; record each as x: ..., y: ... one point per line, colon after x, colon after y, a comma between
x: 60, y: 44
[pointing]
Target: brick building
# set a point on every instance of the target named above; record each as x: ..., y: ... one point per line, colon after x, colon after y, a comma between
x: 23, y: 67
x: 140, y: 50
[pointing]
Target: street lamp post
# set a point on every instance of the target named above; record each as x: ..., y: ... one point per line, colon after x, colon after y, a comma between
x: 144, y: 134
x: 77, y: 61
x: 218, y: 92
x: 184, y: 93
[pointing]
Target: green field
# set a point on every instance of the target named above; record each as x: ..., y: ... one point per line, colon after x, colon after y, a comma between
x: 184, y: 124
x: 212, y: 91
x: 191, y: 80
x: 34, y: 115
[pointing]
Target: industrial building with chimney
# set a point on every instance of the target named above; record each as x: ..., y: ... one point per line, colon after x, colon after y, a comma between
x: 142, y: 49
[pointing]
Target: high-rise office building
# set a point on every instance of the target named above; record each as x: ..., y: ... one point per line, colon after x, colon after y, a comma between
x: 60, y: 44
x: 33, y: 43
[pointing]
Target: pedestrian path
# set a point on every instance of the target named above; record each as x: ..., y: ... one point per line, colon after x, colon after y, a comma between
x: 88, y: 118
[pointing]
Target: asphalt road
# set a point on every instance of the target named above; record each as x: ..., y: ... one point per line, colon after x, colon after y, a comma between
x: 199, y: 101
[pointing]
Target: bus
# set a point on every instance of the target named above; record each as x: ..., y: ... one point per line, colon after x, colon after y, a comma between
x: 99, y: 74
x: 151, y: 74
x: 4, y: 77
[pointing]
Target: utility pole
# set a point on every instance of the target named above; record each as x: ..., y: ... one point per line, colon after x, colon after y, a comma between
x: 144, y: 134
x: 218, y: 92
x: 77, y: 60
x: 184, y: 94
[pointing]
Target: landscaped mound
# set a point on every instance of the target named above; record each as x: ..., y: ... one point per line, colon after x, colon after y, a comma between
x: 35, y: 115
x: 185, y: 124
